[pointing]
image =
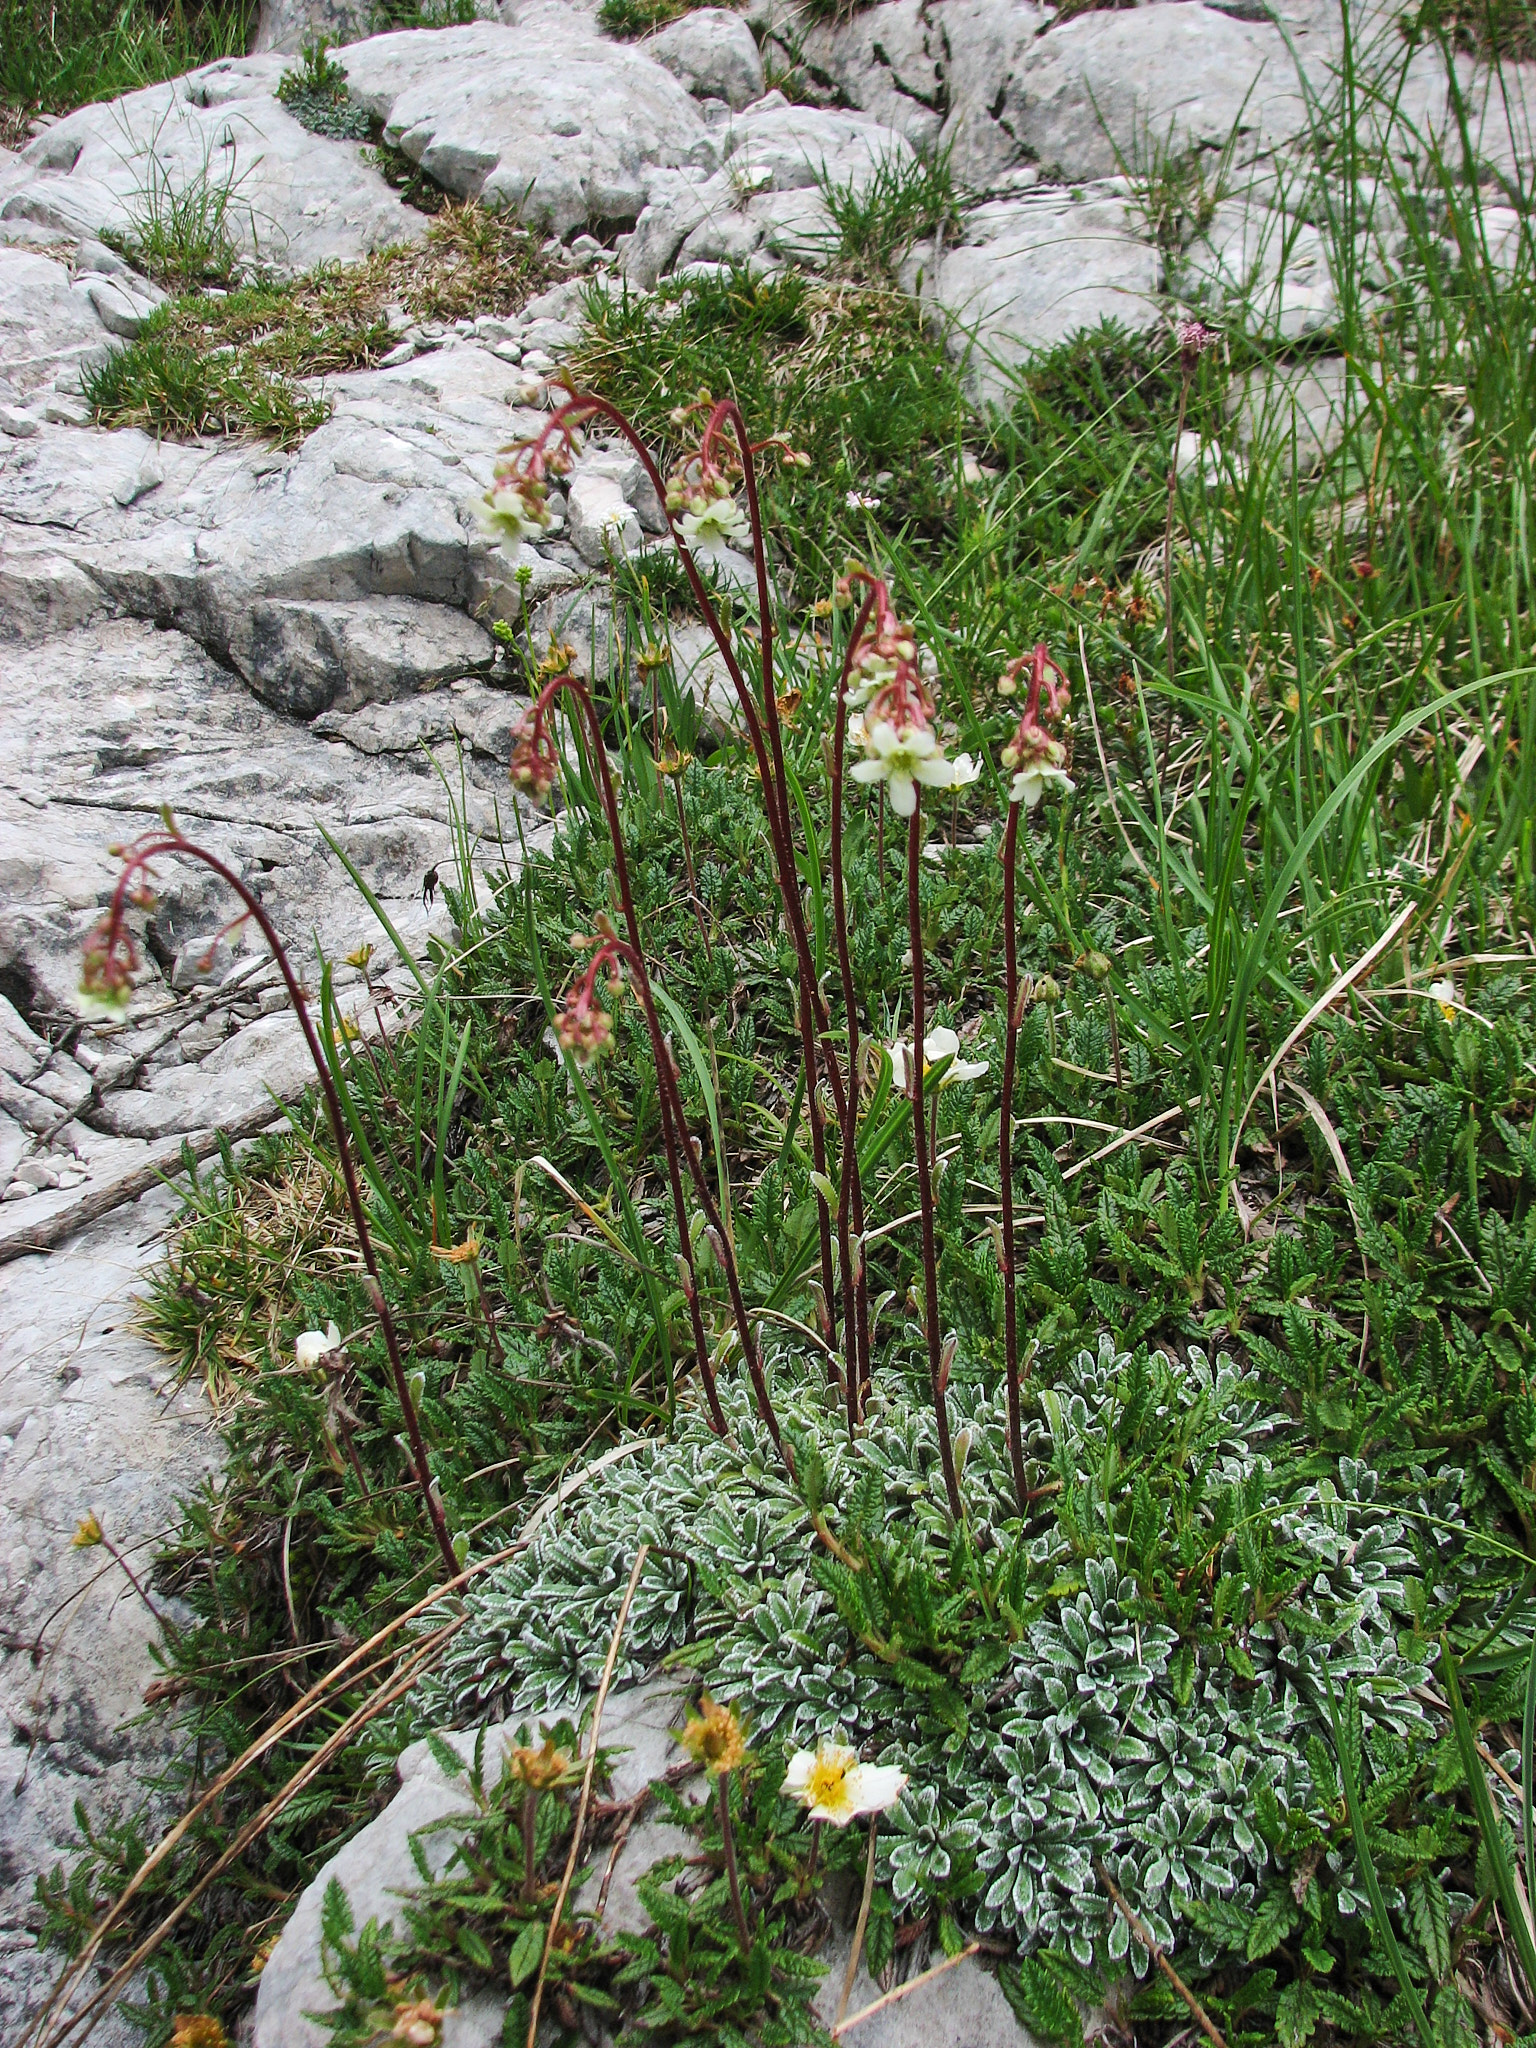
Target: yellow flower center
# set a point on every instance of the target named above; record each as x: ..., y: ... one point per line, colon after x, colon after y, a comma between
x: 827, y: 1784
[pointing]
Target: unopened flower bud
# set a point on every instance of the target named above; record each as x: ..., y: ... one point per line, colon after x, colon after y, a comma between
x: 1098, y: 965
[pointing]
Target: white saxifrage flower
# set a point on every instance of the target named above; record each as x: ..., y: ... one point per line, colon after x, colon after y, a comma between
x: 832, y: 1785
x: 513, y: 510
x: 939, y: 1044
x: 312, y: 1345
x: 1031, y: 783
x: 902, y: 760
x: 719, y: 524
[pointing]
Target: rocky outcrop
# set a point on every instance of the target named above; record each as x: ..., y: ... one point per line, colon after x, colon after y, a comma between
x: 219, y: 149
x: 547, y: 118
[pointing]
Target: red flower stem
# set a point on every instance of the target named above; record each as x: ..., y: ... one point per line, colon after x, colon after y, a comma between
x: 173, y: 842
x: 924, y: 1170
x: 1005, y: 1152
x: 670, y: 1132
x: 775, y: 798
x: 850, y: 1194
x: 728, y: 1851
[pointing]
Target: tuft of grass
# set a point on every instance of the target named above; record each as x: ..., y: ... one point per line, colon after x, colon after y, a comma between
x: 1500, y: 30
x: 631, y: 18
x: 235, y: 364
x: 908, y: 199
x: 392, y: 14
x: 58, y: 54
x: 182, y: 229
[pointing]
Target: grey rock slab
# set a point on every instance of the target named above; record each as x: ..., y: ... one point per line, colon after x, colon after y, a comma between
x: 545, y: 117
x: 306, y: 657
x: 91, y: 1420
x: 289, y: 199
x: 713, y: 53
x: 603, y: 524
x: 1033, y: 271
x: 105, y: 724
x: 1106, y: 92
x: 784, y: 148
x: 888, y: 61
x: 45, y: 324
x: 485, y: 718
x: 963, y: 2008
x: 287, y: 25
x: 1294, y: 407
x: 1264, y: 267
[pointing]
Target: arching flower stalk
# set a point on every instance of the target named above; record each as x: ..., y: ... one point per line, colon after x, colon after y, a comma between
x: 703, y: 481
x: 584, y: 1029
x: 109, y: 963
x: 1036, y: 759
x: 902, y: 751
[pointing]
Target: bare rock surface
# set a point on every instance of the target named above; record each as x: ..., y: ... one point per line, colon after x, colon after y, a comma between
x: 1036, y: 269
x: 713, y: 53
x: 546, y: 117
x: 90, y: 1422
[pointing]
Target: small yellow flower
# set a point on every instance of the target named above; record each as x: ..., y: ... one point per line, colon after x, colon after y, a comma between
x: 539, y: 1769
x: 343, y: 1031
x: 360, y: 955
x: 197, y: 2030
x: 87, y: 1534
x: 714, y: 1737
x: 460, y: 1254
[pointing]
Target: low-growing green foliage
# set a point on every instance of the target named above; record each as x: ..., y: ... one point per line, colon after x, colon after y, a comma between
x: 316, y: 95
x: 905, y: 200
x: 631, y: 18
x: 235, y: 364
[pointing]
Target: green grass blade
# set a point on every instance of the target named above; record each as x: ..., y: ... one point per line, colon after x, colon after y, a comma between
x: 1487, y: 1819
x: 1363, y: 1857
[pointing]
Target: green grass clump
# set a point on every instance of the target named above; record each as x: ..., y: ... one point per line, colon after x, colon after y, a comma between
x: 907, y: 199
x: 631, y: 18
x: 234, y: 364
x: 58, y: 56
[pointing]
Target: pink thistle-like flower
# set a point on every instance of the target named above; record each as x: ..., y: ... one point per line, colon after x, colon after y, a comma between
x: 1193, y: 338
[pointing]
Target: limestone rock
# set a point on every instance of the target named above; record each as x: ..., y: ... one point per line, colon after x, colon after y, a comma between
x: 1265, y: 267
x: 1295, y: 406
x: 1101, y: 92
x: 784, y: 148
x: 547, y: 118
x: 1033, y: 271
x: 603, y: 523
x: 713, y: 53
x: 91, y: 1419
x: 289, y: 199
x: 44, y: 323
x: 288, y: 25
x: 304, y: 657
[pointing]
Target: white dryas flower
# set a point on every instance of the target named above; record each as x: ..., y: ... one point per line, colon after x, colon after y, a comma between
x: 312, y: 1345
x: 903, y: 760
x: 938, y: 1044
x: 1031, y: 783
x: 1444, y: 993
x: 831, y: 1784
x: 718, y: 525
x: 962, y: 771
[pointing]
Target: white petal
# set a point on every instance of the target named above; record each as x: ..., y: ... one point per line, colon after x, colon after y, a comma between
x: 941, y: 1043
x: 797, y: 1777
x: 934, y: 772
x: 966, y: 1070
x: 869, y: 771
x: 874, y: 1787
x: 903, y: 795
x: 919, y: 742
x: 898, y: 1053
